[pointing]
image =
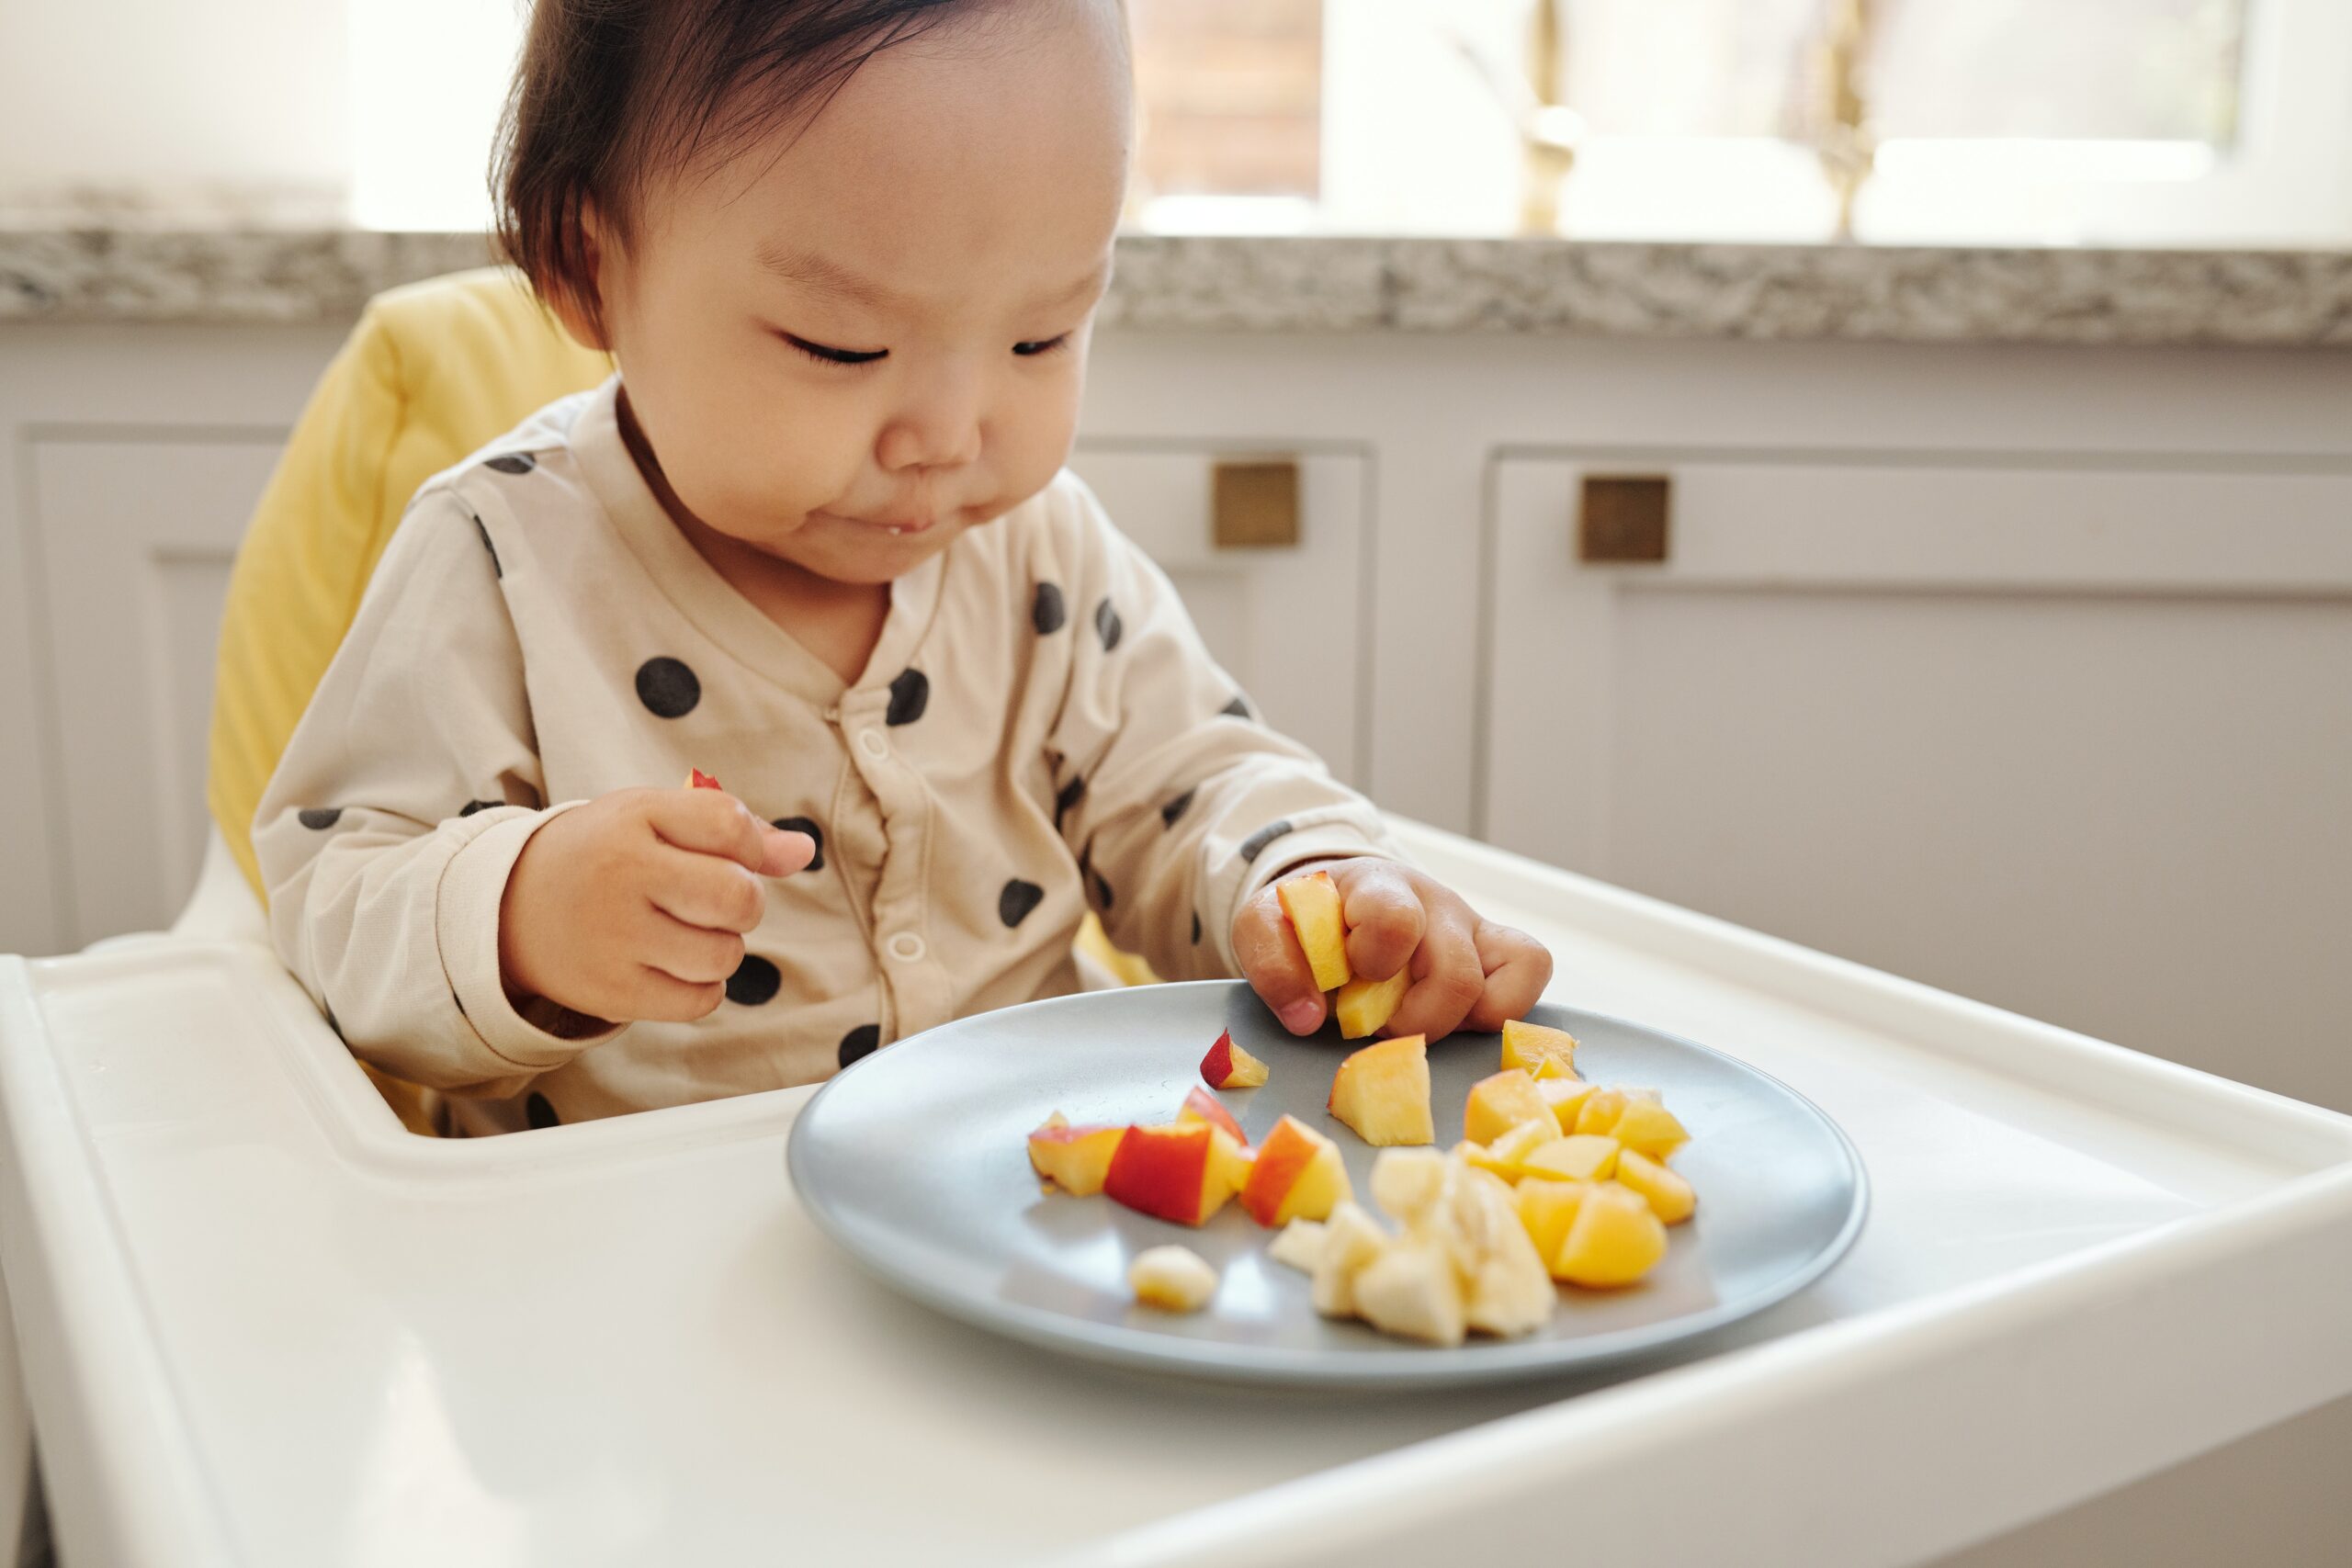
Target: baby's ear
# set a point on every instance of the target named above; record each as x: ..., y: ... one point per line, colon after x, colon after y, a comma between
x: 574, y: 296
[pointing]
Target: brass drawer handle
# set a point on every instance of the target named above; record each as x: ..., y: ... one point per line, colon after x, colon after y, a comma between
x: 1253, y: 504
x: 1622, y: 517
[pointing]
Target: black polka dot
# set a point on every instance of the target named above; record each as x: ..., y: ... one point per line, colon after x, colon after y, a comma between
x: 667, y: 687
x: 1063, y: 803
x: 473, y: 805
x: 755, y: 981
x: 1255, y: 844
x: 1196, y: 928
x: 1047, y: 611
x: 540, y: 1113
x: 1107, y: 624
x: 1236, y: 708
x: 496, y: 570
x: 1097, y: 888
x: 860, y: 1041
x: 1175, y: 809
x: 804, y: 825
x: 1014, y: 904
x: 319, y: 817
x: 511, y: 462
x: 910, y: 695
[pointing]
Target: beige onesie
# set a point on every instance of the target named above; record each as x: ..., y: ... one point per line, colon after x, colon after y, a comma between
x: 1039, y: 730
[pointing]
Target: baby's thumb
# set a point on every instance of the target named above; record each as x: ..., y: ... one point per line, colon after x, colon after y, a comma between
x: 785, y: 852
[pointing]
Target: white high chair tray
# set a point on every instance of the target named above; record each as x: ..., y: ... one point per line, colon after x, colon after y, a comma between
x: 260, y: 1324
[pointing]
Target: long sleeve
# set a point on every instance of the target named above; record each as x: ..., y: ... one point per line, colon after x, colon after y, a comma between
x: 408, y: 791
x: 1180, y: 804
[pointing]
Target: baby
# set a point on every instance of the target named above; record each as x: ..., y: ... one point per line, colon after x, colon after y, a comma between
x: 814, y: 538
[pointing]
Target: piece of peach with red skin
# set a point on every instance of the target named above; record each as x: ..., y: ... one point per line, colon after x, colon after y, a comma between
x: 1298, y: 1175
x: 1183, y: 1172
x: 1311, y: 904
x: 697, y: 779
x: 1228, y: 1065
x: 1074, y: 1158
x: 1382, y: 1092
x: 1200, y: 1105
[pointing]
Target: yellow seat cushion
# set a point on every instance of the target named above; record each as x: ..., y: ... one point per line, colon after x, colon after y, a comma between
x: 432, y: 372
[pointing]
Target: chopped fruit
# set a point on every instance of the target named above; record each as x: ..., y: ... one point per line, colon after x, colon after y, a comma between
x: 1527, y: 1044
x: 1076, y: 1158
x: 1614, y: 1239
x: 1183, y: 1172
x: 1507, y: 1290
x: 1174, y: 1278
x: 1497, y: 1104
x: 1588, y: 1157
x: 697, y: 779
x: 1298, y: 1175
x: 1671, y: 1198
x: 1362, y: 1005
x: 1601, y: 1110
x: 1200, y: 1105
x: 1409, y: 1183
x: 1411, y: 1291
x: 1566, y: 1098
x: 1651, y: 1128
x: 1552, y: 1067
x: 1313, y: 904
x: 1510, y: 1150
x: 1352, y: 1239
x: 1383, y: 1092
x: 1228, y: 1065
x: 1546, y: 1209
x: 1300, y: 1245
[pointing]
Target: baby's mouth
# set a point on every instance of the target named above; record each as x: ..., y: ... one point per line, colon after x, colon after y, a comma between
x: 896, y: 527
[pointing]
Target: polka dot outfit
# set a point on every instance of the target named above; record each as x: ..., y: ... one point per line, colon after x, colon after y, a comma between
x: 1039, y: 732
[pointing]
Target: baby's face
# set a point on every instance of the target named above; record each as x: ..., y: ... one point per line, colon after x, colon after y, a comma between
x: 847, y: 348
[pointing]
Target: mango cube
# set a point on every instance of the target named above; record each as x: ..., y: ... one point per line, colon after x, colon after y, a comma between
x: 1566, y: 1098
x: 1649, y: 1127
x: 1614, y: 1239
x: 1668, y: 1195
x: 1547, y: 1208
x: 1497, y: 1104
x: 1529, y: 1044
x: 1587, y: 1156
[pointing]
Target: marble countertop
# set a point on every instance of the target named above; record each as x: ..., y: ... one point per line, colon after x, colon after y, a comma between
x: 132, y: 273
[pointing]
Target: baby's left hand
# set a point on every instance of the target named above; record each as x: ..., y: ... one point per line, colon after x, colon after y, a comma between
x: 1467, y: 971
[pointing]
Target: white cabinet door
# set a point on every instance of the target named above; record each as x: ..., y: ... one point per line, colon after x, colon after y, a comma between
x: 138, y: 533
x: 2072, y: 736
x: 1287, y: 622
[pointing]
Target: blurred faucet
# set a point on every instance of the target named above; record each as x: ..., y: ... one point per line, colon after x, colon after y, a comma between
x: 1548, y: 130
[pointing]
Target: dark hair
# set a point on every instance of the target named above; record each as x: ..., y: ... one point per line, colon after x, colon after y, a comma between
x: 608, y: 91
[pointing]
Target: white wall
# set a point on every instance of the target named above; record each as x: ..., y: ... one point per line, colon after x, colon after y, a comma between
x: 170, y: 94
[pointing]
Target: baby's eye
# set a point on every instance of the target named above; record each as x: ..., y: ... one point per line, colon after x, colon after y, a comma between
x: 823, y: 354
x: 1041, y: 346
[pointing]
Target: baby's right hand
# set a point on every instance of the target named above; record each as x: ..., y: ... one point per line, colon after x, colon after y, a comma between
x: 634, y: 906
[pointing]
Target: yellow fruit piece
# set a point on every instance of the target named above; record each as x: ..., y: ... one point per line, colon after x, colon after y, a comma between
x: 1362, y: 1005
x: 1528, y: 1045
x: 1174, y: 1278
x: 1497, y: 1104
x: 1651, y: 1128
x: 1669, y: 1197
x: 1552, y: 1067
x: 1588, y: 1157
x: 1614, y: 1239
x: 1313, y: 904
x: 1383, y: 1092
x: 1566, y: 1098
x: 1507, y: 1155
x: 1547, y: 1208
x: 1411, y: 1291
x: 1601, y: 1109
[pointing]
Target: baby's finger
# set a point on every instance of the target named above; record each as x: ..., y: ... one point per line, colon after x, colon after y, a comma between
x: 1275, y: 968
x: 689, y: 954
x: 1385, y: 922
x: 1447, y: 978
x: 1518, y: 968
x: 657, y: 997
x: 706, y: 891
x: 710, y: 822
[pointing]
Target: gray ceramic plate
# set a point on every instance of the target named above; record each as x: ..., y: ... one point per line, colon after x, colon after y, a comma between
x: 915, y: 1161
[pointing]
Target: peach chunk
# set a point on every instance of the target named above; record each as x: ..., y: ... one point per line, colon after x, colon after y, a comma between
x: 1183, y: 1172
x: 1507, y: 1155
x: 1651, y: 1128
x: 1075, y: 1158
x: 1228, y: 1065
x: 1312, y: 903
x: 1566, y: 1098
x: 1298, y: 1175
x: 1601, y: 1108
x: 1669, y: 1197
x: 1383, y: 1092
x: 1509, y: 1098
x: 1174, y: 1278
x: 1362, y: 1005
x: 1547, y: 1208
x: 1200, y: 1105
x: 1530, y: 1045
x: 1587, y: 1156
x: 1614, y: 1239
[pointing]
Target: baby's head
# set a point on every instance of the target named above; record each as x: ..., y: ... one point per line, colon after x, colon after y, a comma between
x: 846, y: 252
